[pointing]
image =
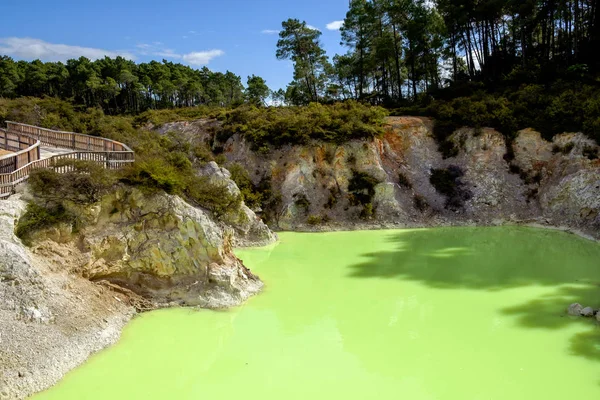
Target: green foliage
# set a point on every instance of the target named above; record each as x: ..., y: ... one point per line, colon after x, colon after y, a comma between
x: 566, y: 149
x: 420, y: 203
x: 302, y: 202
x: 81, y: 182
x: 332, y: 199
x: 252, y: 197
x: 362, y: 189
x: 57, y: 195
x: 317, y: 219
x: 561, y: 107
x: 279, y: 126
x: 590, y: 152
x: 160, y: 117
x: 213, y: 197
x: 257, y: 91
x: 404, y: 181
x: 447, y: 182
x: 38, y: 217
x: 300, y: 44
x: 119, y: 85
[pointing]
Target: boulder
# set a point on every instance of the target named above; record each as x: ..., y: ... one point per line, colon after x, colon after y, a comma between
x: 587, y: 312
x: 575, y: 309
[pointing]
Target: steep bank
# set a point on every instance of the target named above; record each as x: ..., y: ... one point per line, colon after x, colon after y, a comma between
x: 318, y: 186
x: 70, y: 293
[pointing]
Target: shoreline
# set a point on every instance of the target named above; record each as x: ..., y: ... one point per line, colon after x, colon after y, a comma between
x: 392, y: 226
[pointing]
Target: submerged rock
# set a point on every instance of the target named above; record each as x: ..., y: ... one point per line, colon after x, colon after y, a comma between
x: 575, y: 309
x: 587, y: 312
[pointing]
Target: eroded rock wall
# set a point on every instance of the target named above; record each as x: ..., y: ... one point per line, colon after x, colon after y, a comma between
x: 70, y: 293
x: 539, y: 186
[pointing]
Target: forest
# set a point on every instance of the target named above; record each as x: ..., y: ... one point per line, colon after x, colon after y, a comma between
x: 500, y: 63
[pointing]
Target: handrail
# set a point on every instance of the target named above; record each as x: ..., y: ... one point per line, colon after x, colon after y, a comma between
x: 68, y: 140
x: 18, y: 166
x: 21, y: 156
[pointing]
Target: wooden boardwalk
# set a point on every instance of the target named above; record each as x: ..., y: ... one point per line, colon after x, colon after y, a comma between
x: 29, y: 147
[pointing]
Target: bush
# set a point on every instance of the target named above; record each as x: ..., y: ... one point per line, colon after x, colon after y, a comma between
x: 403, y: 181
x: 251, y: 196
x: 317, y: 219
x: 420, y: 203
x: 81, y: 182
x: 37, y: 217
x: 566, y: 149
x: 590, y: 152
x: 279, y: 126
x: 213, y: 197
x: 361, y: 188
x: 447, y: 182
x: 302, y: 202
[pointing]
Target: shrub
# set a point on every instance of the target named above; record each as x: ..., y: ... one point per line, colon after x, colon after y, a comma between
x: 367, y: 211
x: 566, y: 149
x: 279, y: 126
x: 361, y: 187
x: 81, y: 182
x: 590, y: 152
x: 317, y: 219
x: 334, y: 194
x: 447, y: 182
x: 302, y: 202
x: 37, y: 217
x: 213, y: 197
x: 420, y: 203
x: 403, y: 181
x: 241, y: 177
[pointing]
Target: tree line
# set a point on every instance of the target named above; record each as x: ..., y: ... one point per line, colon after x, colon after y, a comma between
x: 121, y: 86
x: 398, y: 49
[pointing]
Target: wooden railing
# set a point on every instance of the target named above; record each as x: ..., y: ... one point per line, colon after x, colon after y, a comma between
x: 67, y: 140
x: 26, y: 150
x: 15, y: 168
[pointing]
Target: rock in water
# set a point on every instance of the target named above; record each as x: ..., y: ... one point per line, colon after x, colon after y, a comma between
x: 575, y: 309
x: 587, y: 312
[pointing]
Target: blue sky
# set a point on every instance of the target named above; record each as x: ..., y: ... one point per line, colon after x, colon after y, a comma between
x: 235, y: 35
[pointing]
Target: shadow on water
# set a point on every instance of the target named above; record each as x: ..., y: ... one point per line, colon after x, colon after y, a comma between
x: 494, y: 259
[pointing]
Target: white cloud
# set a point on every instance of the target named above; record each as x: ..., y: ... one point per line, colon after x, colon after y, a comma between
x: 202, y: 57
x: 269, y: 32
x: 335, y: 25
x: 31, y: 49
x: 314, y: 28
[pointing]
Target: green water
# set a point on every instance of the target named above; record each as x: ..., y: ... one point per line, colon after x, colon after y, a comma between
x: 460, y: 313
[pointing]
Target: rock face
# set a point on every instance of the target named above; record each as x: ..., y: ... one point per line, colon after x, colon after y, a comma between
x: 50, y: 320
x: 249, y: 229
x: 70, y: 294
x: 158, y: 246
x: 546, y: 183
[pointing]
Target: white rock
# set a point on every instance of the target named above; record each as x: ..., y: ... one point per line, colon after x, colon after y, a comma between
x: 575, y: 309
x: 587, y: 312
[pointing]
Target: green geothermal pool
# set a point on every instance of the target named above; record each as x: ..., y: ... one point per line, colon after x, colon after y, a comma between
x: 457, y: 314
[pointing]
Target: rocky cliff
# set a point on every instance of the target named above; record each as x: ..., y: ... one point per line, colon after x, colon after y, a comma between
x: 70, y: 293
x: 538, y: 182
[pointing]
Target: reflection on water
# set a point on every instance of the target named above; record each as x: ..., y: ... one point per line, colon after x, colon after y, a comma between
x: 460, y: 313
